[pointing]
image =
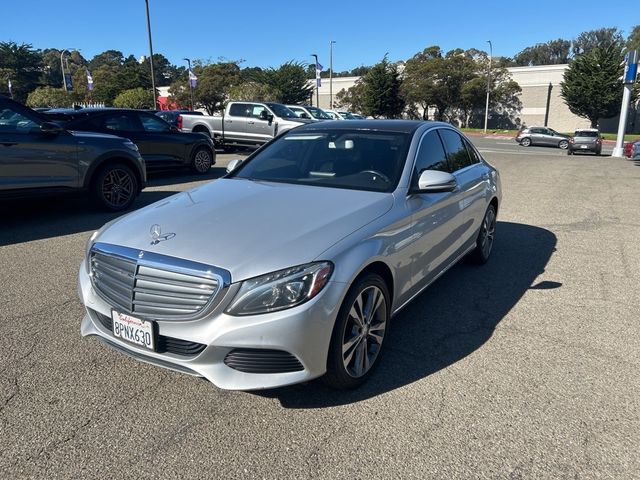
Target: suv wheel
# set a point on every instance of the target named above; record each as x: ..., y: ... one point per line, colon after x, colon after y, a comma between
x: 525, y: 142
x: 201, y: 160
x: 115, y: 187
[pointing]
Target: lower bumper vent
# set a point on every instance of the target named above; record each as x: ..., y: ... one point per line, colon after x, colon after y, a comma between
x: 257, y: 360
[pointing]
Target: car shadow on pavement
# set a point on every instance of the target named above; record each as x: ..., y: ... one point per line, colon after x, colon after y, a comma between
x: 450, y: 320
x: 48, y: 217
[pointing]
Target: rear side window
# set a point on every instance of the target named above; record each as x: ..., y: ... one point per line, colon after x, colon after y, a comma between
x: 239, y: 110
x: 431, y: 156
x: 153, y: 124
x: 457, y: 153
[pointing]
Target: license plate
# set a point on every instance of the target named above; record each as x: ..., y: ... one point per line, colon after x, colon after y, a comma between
x: 584, y: 146
x: 132, y: 329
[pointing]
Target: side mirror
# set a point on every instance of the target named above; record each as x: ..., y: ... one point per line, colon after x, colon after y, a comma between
x: 233, y: 164
x: 435, y: 181
x: 51, y: 128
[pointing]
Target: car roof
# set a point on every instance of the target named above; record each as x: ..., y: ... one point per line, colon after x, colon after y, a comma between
x: 587, y: 130
x: 403, y: 126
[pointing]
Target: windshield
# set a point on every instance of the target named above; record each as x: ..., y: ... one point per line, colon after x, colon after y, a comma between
x: 281, y: 111
x: 318, y: 113
x: 347, y: 115
x: 359, y: 160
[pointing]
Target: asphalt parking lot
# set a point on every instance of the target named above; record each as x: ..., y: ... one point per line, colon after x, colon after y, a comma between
x: 527, y: 367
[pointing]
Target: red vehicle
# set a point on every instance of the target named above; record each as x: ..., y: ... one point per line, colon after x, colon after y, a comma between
x: 628, y: 149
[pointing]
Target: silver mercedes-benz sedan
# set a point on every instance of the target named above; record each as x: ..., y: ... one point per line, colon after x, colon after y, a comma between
x: 292, y: 265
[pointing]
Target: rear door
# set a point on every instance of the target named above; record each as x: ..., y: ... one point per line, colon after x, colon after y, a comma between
x: 235, y: 122
x: 538, y: 136
x: 30, y: 158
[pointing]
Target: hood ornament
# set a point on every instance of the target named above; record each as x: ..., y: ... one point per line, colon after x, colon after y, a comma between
x: 157, y: 236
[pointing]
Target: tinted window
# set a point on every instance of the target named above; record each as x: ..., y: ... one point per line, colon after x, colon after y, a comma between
x: 473, y: 153
x: 122, y: 122
x: 586, y: 133
x: 152, y: 124
x: 431, y: 156
x: 456, y: 151
x: 359, y: 160
x: 238, y: 109
x: 538, y: 130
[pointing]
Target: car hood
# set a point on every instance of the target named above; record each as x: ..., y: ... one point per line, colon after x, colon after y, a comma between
x: 247, y: 227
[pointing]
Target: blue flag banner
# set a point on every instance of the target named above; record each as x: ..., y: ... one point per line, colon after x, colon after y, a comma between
x: 89, y: 81
x: 68, y: 83
x: 10, y: 88
x: 319, y: 69
x: 193, y: 80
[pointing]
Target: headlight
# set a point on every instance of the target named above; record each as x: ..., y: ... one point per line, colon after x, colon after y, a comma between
x: 280, y: 290
x: 131, y: 145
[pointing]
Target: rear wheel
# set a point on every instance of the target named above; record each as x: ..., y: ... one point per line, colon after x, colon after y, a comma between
x: 486, y: 235
x: 563, y: 144
x: 359, y: 333
x: 201, y: 160
x: 525, y: 142
x: 114, y: 187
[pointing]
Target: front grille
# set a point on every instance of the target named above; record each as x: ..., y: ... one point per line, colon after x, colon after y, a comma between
x: 164, y: 344
x: 256, y: 360
x: 154, y: 286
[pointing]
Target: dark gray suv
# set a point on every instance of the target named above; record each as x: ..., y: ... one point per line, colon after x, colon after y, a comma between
x: 38, y: 157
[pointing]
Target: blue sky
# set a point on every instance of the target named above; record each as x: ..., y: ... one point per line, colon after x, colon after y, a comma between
x: 269, y: 33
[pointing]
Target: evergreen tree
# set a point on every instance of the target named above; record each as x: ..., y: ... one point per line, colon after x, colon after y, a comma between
x: 592, y: 85
x: 381, y: 91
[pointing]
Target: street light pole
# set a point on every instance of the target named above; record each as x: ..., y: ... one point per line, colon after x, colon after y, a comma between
x: 153, y: 79
x: 189, y: 78
x: 315, y: 68
x: 331, y: 43
x: 486, y: 108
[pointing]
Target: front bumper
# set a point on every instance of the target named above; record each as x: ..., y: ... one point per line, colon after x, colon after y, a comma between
x: 303, y: 331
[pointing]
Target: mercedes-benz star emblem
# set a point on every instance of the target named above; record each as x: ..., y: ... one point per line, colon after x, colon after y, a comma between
x: 157, y: 236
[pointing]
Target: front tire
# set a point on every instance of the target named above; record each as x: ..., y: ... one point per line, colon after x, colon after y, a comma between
x: 114, y: 187
x: 359, y: 332
x: 201, y: 160
x: 486, y: 235
x: 563, y: 144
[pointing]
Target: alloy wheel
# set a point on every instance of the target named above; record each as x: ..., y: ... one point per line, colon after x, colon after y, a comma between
x: 202, y: 161
x: 364, y: 331
x: 117, y: 187
x: 487, y: 232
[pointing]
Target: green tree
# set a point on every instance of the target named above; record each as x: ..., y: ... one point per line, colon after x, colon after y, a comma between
x: 380, y: 94
x: 422, y: 84
x: 22, y: 65
x: 252, y: 91
x: 592, y: 85
x: 134, y: 98
x: 553, y: 52
x: 351, y: 98
x: 288, y: 83
x: 633, y: 40
x: 599, y: 38
x: 49, y: 97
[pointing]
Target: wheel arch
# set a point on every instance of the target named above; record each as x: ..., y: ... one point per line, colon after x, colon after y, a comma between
x: 104, y: 160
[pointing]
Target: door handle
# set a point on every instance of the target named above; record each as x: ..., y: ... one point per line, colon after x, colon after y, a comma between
x: 8, y: 144
x: 251, y: 123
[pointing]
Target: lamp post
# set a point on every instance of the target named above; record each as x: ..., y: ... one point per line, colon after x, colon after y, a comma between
x: 190, y: 85
x: 486, y: 108
x: 331, y: 43
x: 315, y: 67
x: 153, y: 79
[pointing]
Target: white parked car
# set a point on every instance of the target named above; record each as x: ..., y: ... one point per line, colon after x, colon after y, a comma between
x: 312, y: 113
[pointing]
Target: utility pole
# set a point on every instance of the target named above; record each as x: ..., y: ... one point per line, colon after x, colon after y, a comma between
x: 315, y: 67
x: 486, y: 108
x: 153, y: 79
x: 331, y: 44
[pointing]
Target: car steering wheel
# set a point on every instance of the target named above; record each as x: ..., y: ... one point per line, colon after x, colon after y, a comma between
x: 376, y: 173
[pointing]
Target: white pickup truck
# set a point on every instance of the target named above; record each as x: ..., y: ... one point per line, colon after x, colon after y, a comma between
x: 243, y: 123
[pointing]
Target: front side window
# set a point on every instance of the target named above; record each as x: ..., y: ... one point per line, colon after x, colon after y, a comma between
x: 430, y: 156
x: 456, y: 151
x: 118, y: 122
x: 256, y: 111
x: 153, y: 124
x: 358, y: 160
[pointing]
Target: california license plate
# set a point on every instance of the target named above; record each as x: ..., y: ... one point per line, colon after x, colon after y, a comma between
x: 584, y: 146
x: 132, y: 329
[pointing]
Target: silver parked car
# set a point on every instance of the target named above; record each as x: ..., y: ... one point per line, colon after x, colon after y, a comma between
x: 292, y: 265
x: 542, y: 136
